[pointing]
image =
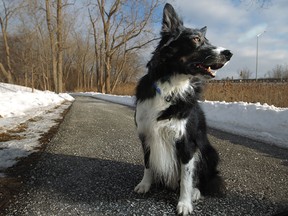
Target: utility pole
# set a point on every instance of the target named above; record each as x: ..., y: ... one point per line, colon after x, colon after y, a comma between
x: 257, y: 54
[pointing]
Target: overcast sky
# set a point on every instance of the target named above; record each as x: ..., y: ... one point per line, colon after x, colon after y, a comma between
x: 235, y: 24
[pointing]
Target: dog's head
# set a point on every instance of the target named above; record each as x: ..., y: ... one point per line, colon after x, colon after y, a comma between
x: 188, y: 48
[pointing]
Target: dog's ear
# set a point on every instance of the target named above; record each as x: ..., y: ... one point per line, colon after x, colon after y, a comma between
x: 203, y: 30
x: 171, y: 23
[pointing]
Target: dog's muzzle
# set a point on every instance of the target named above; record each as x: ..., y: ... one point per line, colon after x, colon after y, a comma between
x: 227, y: 54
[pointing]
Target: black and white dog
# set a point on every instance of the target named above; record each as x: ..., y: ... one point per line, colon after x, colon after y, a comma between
x: 170, y: 122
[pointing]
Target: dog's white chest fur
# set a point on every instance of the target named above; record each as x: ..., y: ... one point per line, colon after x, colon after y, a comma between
x: 160, y: 136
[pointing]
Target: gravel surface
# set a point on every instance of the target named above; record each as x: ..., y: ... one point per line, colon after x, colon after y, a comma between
x: 94, y: 161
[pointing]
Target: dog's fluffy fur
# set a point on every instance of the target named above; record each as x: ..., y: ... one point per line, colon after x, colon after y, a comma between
x: 170, y: 122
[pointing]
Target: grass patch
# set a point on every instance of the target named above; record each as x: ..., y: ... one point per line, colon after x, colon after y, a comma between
x: 12, y: 133
x: 4, y: 137
x: 20, y: 128
x: 263, y: 92
x: 272, y: 93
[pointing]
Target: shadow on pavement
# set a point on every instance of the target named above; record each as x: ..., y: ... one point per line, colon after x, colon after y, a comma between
x: 95, y: 186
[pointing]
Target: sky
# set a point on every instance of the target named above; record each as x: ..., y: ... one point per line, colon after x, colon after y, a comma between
x: 235, y: 24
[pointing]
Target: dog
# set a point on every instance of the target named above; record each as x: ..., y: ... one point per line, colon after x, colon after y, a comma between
x: 170, y: 123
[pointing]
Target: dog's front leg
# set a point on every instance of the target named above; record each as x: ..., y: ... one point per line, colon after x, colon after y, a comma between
x: 184, y: 206
x: 145, y: 184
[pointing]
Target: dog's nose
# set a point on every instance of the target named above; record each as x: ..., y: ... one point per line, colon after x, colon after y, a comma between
x: 227, y: 54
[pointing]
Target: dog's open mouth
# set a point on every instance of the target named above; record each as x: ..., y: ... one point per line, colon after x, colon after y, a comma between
x: 210, y: 69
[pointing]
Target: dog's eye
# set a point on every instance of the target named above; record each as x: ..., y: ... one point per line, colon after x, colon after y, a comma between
x: 197, y: 39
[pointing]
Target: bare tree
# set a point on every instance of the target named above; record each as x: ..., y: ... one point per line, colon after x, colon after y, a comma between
x: 98, y: 57
x: 84, y: 60
x: 8, y: 11
x: 33, y: 52
x: 59, y: 46
x: 245, y: 73
x: 129, y: 71
x: 279, y: 72
x: 51, y: 32
x: 48, y: 49
x: 123, y: 24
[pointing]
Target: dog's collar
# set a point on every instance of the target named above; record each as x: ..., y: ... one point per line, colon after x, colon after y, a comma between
x: 156, y: 87
x: 167, y: 98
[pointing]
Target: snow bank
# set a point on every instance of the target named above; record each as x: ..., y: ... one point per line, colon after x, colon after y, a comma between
x: 19, y: 100
x: 265, y: 123
x: 261, y: 122
x: 17, y: 105
x: 125, y: 100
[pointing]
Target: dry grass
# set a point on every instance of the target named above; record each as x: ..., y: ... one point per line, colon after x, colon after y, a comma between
x: 121, y: 89
x: 272, y: 93
x: 4, y: 137
x: 263, y: 92
x: 20, y: 128
x: 125, y: 89
x: 12, y: 134
x: 85, y: 90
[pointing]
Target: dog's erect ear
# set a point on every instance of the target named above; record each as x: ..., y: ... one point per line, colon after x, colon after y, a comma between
x: 203, y: 30
x: 171, y: 23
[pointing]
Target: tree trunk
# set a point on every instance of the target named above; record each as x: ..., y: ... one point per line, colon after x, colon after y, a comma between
x: 108, y: 74
x: 97, y: 50
x: 52, y: 45
x: 7, y: 73
x: 101, y: 71
x: 32, y: 79
x: 59, y: 46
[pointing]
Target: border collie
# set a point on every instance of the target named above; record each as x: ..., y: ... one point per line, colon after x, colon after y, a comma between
x: 169, y: 120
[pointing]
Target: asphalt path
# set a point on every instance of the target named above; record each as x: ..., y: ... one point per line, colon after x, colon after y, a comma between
x: 94, y: 161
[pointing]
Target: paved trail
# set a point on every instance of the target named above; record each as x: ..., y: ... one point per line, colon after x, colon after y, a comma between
x: 94, y: 161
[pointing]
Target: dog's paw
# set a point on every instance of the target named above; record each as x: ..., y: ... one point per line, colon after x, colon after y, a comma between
x: 196, y: 194
x: 184, y: 208
x: 142, y: 188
